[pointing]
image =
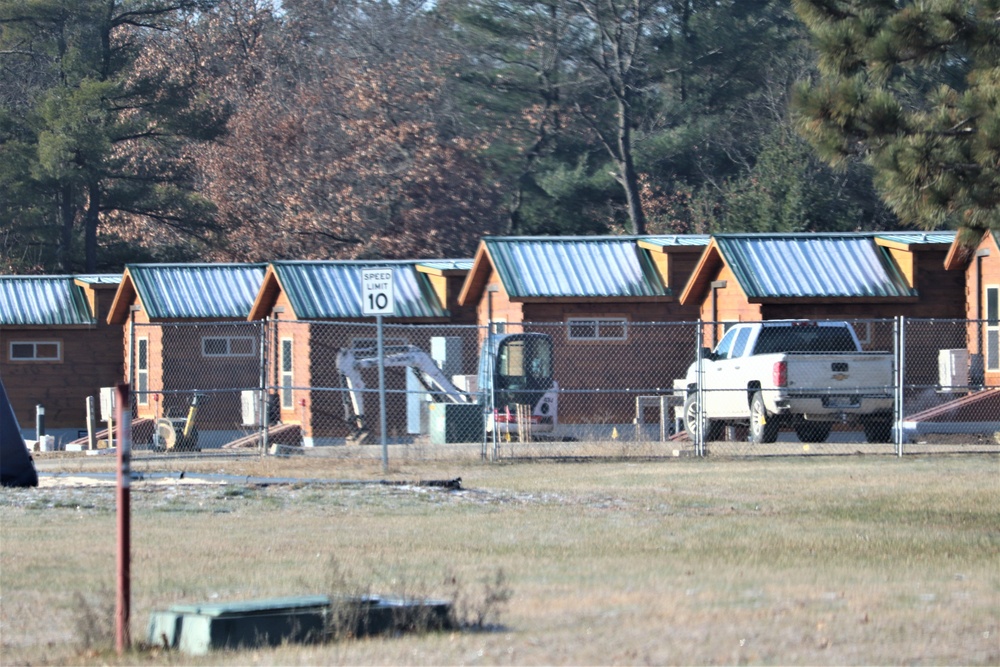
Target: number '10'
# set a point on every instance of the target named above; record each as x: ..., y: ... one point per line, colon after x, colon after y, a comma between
x: 378, y: 301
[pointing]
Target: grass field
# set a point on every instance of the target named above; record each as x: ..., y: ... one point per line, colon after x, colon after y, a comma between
x: 804, y: 560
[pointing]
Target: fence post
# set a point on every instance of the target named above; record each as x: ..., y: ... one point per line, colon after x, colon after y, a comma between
x: 699, y: 440
x: 900, y: 386
x: 265, y: 416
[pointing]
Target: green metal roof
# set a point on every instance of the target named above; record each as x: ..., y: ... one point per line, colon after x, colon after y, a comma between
x: 99, y: 278
x: 197, y: 291
x: 447, y: 264
x: 811, y: 265
x: 918, y: 238
x: 579, y: 266
x: 43, y: 300
x: 674, y: 240
x: 322, y: 290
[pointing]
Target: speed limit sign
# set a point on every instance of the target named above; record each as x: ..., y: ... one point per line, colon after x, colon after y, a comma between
x: 377, y: 292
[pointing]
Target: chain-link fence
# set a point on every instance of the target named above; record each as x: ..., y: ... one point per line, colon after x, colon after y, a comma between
x: 597, y: 387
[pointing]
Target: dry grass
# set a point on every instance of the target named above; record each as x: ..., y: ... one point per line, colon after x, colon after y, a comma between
x: 848, y: 560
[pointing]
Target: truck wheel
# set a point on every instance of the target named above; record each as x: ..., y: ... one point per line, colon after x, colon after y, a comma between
x: 878, y: 430
x: 763, y: 427
x: 713, y: 430
x: 813, y: 431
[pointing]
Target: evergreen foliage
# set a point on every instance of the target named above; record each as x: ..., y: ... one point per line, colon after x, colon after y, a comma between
x: 93, y: 135
x: 913, y: 89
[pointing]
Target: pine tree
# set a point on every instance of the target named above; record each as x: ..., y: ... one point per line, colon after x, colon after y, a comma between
x: 91, y: 141
x: 912, y: 88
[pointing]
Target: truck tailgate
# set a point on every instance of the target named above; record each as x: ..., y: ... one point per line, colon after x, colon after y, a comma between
x: 864, y: 373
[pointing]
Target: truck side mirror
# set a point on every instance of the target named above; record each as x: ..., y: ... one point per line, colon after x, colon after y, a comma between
x: 706, y: 353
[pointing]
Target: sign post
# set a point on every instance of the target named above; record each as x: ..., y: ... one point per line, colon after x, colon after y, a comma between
x: 378, y: 299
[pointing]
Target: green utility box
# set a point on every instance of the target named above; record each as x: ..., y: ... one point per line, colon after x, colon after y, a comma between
x: 197, y: 629
x: 455, y: 422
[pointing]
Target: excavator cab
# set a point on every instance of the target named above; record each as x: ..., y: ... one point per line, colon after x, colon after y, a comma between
x: 522, y: 368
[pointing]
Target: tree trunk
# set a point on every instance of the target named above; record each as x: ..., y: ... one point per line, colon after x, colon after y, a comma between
x: 90, y: 220
x: 67, y: 218
x: 626, y: 168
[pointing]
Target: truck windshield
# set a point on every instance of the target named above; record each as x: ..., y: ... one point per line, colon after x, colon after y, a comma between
x: 804, y: 338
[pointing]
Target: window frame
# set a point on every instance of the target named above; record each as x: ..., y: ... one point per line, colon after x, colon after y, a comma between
x: 142, y: 371
x: 286, y: 376
x: 34, y: 358
x: 991, y: 321
x: 596, y: 322
x: 229, y: 346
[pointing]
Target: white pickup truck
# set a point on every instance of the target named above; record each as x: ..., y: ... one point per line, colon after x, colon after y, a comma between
x: 790, y: 374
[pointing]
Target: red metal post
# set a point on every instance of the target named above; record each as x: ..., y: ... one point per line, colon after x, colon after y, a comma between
x: 123, y: 415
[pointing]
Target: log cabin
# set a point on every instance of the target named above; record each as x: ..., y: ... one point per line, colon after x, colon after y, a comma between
x: 867, y: 278
x: 598, y: 298
x: 313, y: 309
x: 976, y: 256
x: 184, y: 333
x: 56, y: 348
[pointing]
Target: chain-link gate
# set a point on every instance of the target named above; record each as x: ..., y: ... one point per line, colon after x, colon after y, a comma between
x: 598, y: 387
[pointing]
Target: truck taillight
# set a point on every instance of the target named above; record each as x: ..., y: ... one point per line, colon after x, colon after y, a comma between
x: 779, y: 374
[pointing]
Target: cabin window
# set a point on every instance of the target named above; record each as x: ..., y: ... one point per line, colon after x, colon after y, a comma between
x: 993, y: 328
x: 597, y: 328
x: 287, y: 401
x: 142, y: 370
x: 40, y: 350
x: 368, y: 347
x: 228, y: 346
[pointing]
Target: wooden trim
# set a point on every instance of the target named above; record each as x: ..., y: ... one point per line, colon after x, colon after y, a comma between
x: 439, y: 285
x: 267, y: 296
x: 125, y: 297
x: 475, y: 282
x: 661, y: 263
x: 906, y: 261
x: 704, y: 273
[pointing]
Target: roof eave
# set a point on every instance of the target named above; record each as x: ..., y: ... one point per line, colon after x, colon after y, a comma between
x: 125, y: 296
x: 910, y: 247
x: 664, y: 249
x: 666, y: 298
x: 698, y: 284
x: 475, y: 281
x: 785, y: 300
x: 267, y: 295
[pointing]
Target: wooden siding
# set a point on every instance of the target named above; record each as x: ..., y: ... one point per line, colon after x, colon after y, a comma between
x: 601, y: 378
x: 648, y: 360
x: 982, y: 271
x: 91, y: 359
x: 323, y: 416
x: 726, y: 304
x: 503, y: 309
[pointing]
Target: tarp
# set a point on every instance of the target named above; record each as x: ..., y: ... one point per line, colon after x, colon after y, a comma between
x: 17, y: 468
